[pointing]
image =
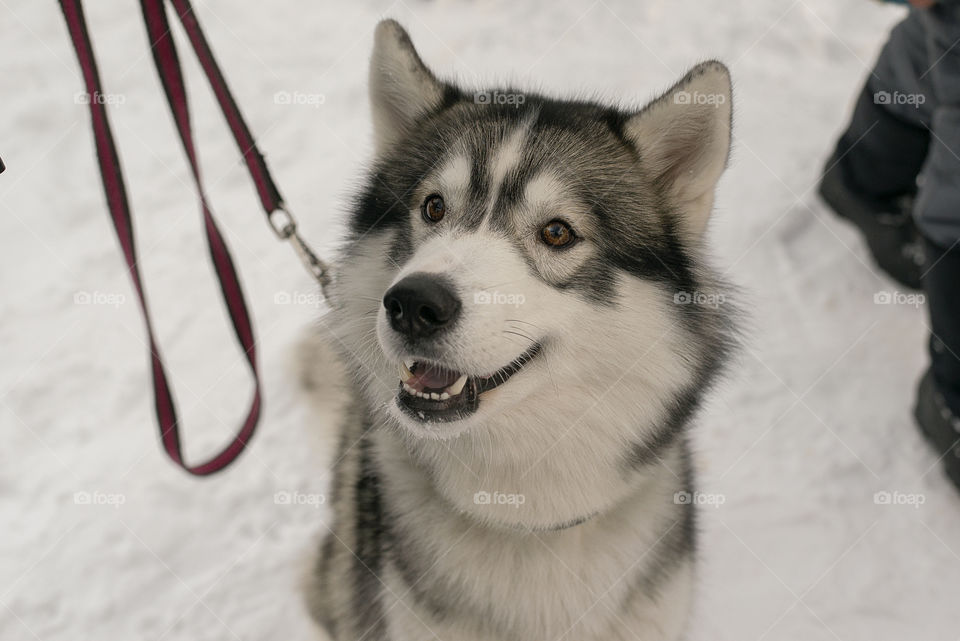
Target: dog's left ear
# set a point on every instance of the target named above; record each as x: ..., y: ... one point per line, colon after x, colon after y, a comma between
x: 683, y: 138
x: 402, y: 88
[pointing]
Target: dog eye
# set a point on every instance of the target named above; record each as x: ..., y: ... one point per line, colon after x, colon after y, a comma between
x: 557, y: 234
x: 433, y: 208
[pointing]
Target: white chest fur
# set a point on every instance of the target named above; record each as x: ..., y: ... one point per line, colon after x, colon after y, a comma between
x: 449, y: 574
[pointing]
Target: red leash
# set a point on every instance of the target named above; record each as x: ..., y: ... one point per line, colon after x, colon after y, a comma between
x: 168, y: 66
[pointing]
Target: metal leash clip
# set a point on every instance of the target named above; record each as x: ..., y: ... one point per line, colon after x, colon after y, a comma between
x: 285, y: 227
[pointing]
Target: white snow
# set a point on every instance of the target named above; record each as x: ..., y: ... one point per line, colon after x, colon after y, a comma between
x: 814, y: 422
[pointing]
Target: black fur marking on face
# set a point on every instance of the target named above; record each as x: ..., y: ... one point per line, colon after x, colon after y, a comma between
x: 377, y: 206
x: 509, y: 196
x: 451, y: 96
x: 479, y: 175
x: 401, y: 247
x: 615, y: 121
x: 594, y: 281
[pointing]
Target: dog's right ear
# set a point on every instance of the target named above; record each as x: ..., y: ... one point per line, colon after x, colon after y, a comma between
x: 402, y: 88
x: 683, y: 138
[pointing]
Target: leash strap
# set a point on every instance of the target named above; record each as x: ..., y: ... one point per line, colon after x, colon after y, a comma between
x: 168, y: 67
x: 278, y: 216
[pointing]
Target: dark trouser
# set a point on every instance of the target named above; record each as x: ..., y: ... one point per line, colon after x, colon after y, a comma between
x: 906, y: 124
x: 907, y: 121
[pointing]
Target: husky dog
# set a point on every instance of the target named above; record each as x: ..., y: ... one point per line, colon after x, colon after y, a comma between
x: 527, y: 325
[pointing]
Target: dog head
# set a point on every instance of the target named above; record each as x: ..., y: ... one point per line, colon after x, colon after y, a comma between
x: 516, y: 263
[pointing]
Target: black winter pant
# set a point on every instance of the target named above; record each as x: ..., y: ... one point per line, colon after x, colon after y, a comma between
x: 907, y: 121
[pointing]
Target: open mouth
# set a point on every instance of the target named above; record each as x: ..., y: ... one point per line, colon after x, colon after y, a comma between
x: 431, y: 392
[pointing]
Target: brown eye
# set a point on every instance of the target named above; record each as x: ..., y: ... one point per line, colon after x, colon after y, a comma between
x: 557, y: 234
x: 433, y: 208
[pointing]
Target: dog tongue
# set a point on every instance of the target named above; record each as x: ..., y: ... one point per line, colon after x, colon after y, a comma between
x: 437, y: 378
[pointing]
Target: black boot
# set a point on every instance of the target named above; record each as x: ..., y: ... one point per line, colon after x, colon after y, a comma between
x: 938, y: 397
x: 886, y: 223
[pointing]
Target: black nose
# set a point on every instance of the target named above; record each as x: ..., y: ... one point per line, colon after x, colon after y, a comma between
x: 421, y: 305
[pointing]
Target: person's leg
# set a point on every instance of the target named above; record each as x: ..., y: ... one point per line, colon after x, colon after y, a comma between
x: 937, y: 409
x: 938, y: 204
x: 942, y: 287
x: 937, y: 214
x: 872, y: 176
x: 886, y: 142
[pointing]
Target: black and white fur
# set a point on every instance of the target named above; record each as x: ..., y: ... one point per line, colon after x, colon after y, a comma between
x: 591, y: 431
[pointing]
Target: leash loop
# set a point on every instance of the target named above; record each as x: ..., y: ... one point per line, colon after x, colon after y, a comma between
x: 281, y: 221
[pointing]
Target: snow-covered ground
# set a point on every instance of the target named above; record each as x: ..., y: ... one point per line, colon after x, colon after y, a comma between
x: 815, y: 421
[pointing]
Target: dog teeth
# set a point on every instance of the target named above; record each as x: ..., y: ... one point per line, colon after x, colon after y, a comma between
x: 457, y: 387
x: 406, y: 375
